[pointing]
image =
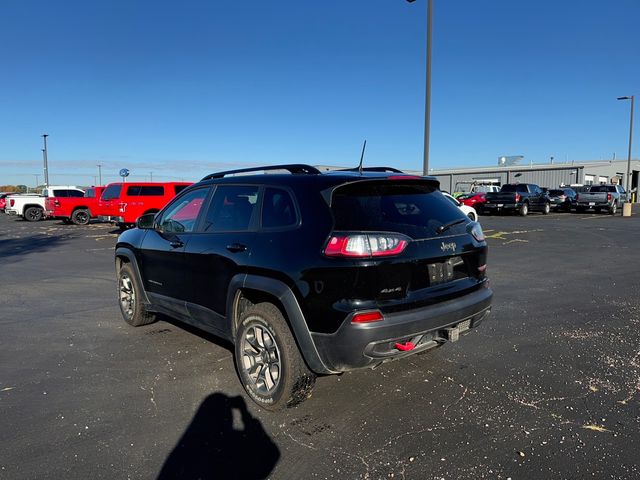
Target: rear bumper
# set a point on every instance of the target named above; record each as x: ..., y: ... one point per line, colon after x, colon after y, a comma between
x: 367, y: 345
x: 593, y: 205
x: 9, y: 211
x: 111, y: 219
x: 501, y: 206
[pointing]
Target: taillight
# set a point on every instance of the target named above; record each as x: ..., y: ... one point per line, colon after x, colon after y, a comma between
x: 563, y: 197
x: 476, y: 231
x: 577, y: 197
x: 12, y: 202
x: 366, y: 245
x: 367, y: 317
x: 517, y: 197
x: 609, y: 197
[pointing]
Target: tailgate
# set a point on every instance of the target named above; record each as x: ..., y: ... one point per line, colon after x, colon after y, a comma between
x: 501, y: 197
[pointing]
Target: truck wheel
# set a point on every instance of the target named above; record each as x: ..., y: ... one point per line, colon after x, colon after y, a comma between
x: 524, y: 209
x: 546, y: 209
x: 33, y: 214
x: 81, y: 216
x: 130, y: 298
x: 269, y: 363
x: 613, y: 208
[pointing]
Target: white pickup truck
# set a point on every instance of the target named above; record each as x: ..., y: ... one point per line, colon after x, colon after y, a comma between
x: 31, y: 207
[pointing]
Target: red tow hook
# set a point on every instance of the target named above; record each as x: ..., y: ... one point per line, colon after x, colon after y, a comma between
x: 405, y: 347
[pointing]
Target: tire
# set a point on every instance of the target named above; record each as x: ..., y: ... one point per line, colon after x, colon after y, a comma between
x: 269, y: 364
x: 524, y: 209
x: 81, y: 216
x: 546, y: 209
x: 129, y: 298
x: 613, y: 209
x: 33, y: 214
x: 472, y: 216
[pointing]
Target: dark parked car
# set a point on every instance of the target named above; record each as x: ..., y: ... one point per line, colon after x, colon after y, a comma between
x: 562, y: 199
x: 307, y: 272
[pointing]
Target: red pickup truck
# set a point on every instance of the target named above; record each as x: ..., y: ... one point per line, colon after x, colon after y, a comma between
x: 77, y: 210
x: 124, y: 203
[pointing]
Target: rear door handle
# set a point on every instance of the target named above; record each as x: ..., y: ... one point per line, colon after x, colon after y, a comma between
x: 176, y: 244
x: 237, y: 247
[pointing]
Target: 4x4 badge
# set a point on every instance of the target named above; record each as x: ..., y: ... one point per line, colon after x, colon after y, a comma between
x: 448, y: 246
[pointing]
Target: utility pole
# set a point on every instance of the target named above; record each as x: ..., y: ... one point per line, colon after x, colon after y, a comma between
x: 427, y: 96
x: 99, y: 174
x: 627, y: 178
x: 37, y: 179
x: 94, y: 180
x: 151, y: 176
x: 46, y: 162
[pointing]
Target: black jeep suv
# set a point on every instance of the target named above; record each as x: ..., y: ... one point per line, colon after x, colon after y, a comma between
x: 308, y: 273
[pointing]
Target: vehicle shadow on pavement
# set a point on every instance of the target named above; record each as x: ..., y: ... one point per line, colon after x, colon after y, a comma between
x: 219, y: 444
x: 13, y: 247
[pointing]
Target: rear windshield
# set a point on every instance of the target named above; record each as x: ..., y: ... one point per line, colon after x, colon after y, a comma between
x: 416, y: 210
x: 145, y: 191
x: 67, y: 193
x: 602, y: 188
x: 514, y: 188
x: 556, y: 192
x: 111, y: 192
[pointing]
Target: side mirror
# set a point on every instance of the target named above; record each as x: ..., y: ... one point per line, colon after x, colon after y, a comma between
x: 146, y: 222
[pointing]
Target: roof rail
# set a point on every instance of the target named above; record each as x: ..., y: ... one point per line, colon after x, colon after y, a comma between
x: 295, y: 169
x: 372, y: 169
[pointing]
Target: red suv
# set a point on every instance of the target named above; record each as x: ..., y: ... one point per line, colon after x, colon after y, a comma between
x: 124, y: 203
x: 77, y: 210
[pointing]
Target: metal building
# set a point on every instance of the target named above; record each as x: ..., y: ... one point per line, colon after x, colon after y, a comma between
x: 544, y: 175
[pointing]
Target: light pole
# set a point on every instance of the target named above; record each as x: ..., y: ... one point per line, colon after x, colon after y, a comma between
x: 151, y: 176
x: 46, y: 163
x: 99, y: 173
x: 37, y: 179
x: 627, y: 179
x: 427, y: 96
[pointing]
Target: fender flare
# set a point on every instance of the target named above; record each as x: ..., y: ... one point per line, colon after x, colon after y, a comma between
x: 124, y: 252
x: 293, y: 311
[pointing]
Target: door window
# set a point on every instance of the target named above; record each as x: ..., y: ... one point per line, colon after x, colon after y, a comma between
x: 111, y: 192
x: 278, y: 210
x: 231, y: 208
x: 182, y: 215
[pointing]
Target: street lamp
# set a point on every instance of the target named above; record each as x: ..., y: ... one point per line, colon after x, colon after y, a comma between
x: 46, y: 163
x: 427, y: 96
x: 627, y: 184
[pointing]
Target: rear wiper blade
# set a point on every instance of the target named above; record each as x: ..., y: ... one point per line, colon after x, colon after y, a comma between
x: 447, y: 226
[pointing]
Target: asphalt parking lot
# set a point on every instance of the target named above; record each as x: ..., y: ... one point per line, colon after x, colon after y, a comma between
x: 548, y: 387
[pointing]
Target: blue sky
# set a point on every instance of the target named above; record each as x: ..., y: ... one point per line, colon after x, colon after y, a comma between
x: 182, y: 89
